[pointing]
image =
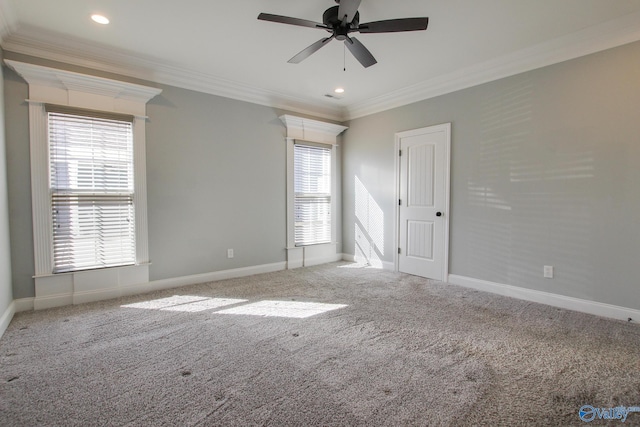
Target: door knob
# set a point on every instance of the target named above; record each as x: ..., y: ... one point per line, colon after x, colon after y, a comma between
x: 438, y: 213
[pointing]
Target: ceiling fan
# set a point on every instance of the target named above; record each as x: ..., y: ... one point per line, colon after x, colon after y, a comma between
x: 342, y: 20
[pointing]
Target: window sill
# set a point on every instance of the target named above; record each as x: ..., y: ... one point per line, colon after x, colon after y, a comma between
x: 63, y: 273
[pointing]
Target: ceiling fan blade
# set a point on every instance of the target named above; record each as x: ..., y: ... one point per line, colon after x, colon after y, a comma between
x: 348, y: 8
x: 394, y: 25
x: 305, y: 53
x: 361, y: 53
x: 291, y: 21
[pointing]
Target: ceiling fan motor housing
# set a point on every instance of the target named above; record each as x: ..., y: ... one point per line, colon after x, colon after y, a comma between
x: 331, y: 19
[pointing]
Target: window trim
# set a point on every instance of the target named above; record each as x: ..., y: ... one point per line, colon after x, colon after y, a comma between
x: 68, y: 89
x: 308, y: 131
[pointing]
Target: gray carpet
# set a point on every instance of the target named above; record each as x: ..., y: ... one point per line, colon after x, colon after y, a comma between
x: 404, y: 351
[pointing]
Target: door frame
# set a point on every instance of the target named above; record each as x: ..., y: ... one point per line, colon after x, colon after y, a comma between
x: 446, y: 127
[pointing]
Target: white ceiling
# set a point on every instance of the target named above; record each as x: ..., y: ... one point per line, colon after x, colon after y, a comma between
x: 221, y: 48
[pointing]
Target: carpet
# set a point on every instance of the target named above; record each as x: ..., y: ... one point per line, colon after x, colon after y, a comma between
x: 331, y: 345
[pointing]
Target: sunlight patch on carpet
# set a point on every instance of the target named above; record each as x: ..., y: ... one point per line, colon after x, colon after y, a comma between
x: 377, y: 266
x: 207, y: 304
x: 193, y: 304
x: 186, y: 303
x: 294, y: 309
x: 173, y: 301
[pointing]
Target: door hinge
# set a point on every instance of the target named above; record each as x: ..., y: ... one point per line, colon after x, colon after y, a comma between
x: 399, y: 202
x: 400, y: 153
x: 398, y: 250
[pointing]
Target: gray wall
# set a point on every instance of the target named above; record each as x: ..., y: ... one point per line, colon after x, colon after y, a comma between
x: 19, y: 183
x: 6, y: 296
x: 216, y: 180
x: 545, y: 171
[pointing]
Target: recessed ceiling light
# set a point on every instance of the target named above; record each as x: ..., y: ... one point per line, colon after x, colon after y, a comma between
x: 100, y: 19
x: 339, y: 90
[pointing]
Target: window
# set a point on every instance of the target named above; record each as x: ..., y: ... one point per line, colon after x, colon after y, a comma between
x: 91, y: 185
x: 312, y: 187
x: 92, y: 189
x: 313, y: 191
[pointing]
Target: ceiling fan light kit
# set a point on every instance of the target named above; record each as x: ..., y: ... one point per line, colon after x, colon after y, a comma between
x: 342, y: 20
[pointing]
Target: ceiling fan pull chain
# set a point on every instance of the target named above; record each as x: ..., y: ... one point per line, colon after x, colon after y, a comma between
x: 344, y: 57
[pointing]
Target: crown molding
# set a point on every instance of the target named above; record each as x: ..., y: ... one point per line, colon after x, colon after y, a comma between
x: 200, y: 82
x: 8, y: 20
x: 607, y: 35
x: 54, y: 47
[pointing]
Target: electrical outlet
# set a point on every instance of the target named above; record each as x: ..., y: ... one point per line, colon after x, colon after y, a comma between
x: 229, y: 253
x: 548, y: 271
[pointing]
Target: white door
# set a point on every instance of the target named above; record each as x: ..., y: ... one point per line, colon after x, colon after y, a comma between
x: 423, y: 226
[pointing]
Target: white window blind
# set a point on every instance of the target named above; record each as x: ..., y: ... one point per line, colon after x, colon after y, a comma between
x: 312, y: 187
x: 91, y: 184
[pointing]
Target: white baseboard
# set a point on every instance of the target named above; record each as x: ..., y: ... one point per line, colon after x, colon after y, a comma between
x: 57, y: 290
x: 66, y: 298
x: 6, y: 317
x: 308, y: 262
x: 348, y: 257
x: 52, y: 301
x: 23, y: 304
x: 555, y: 300
x: 62, y: 299
x: 384, y: 265
x: 215, y: 276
